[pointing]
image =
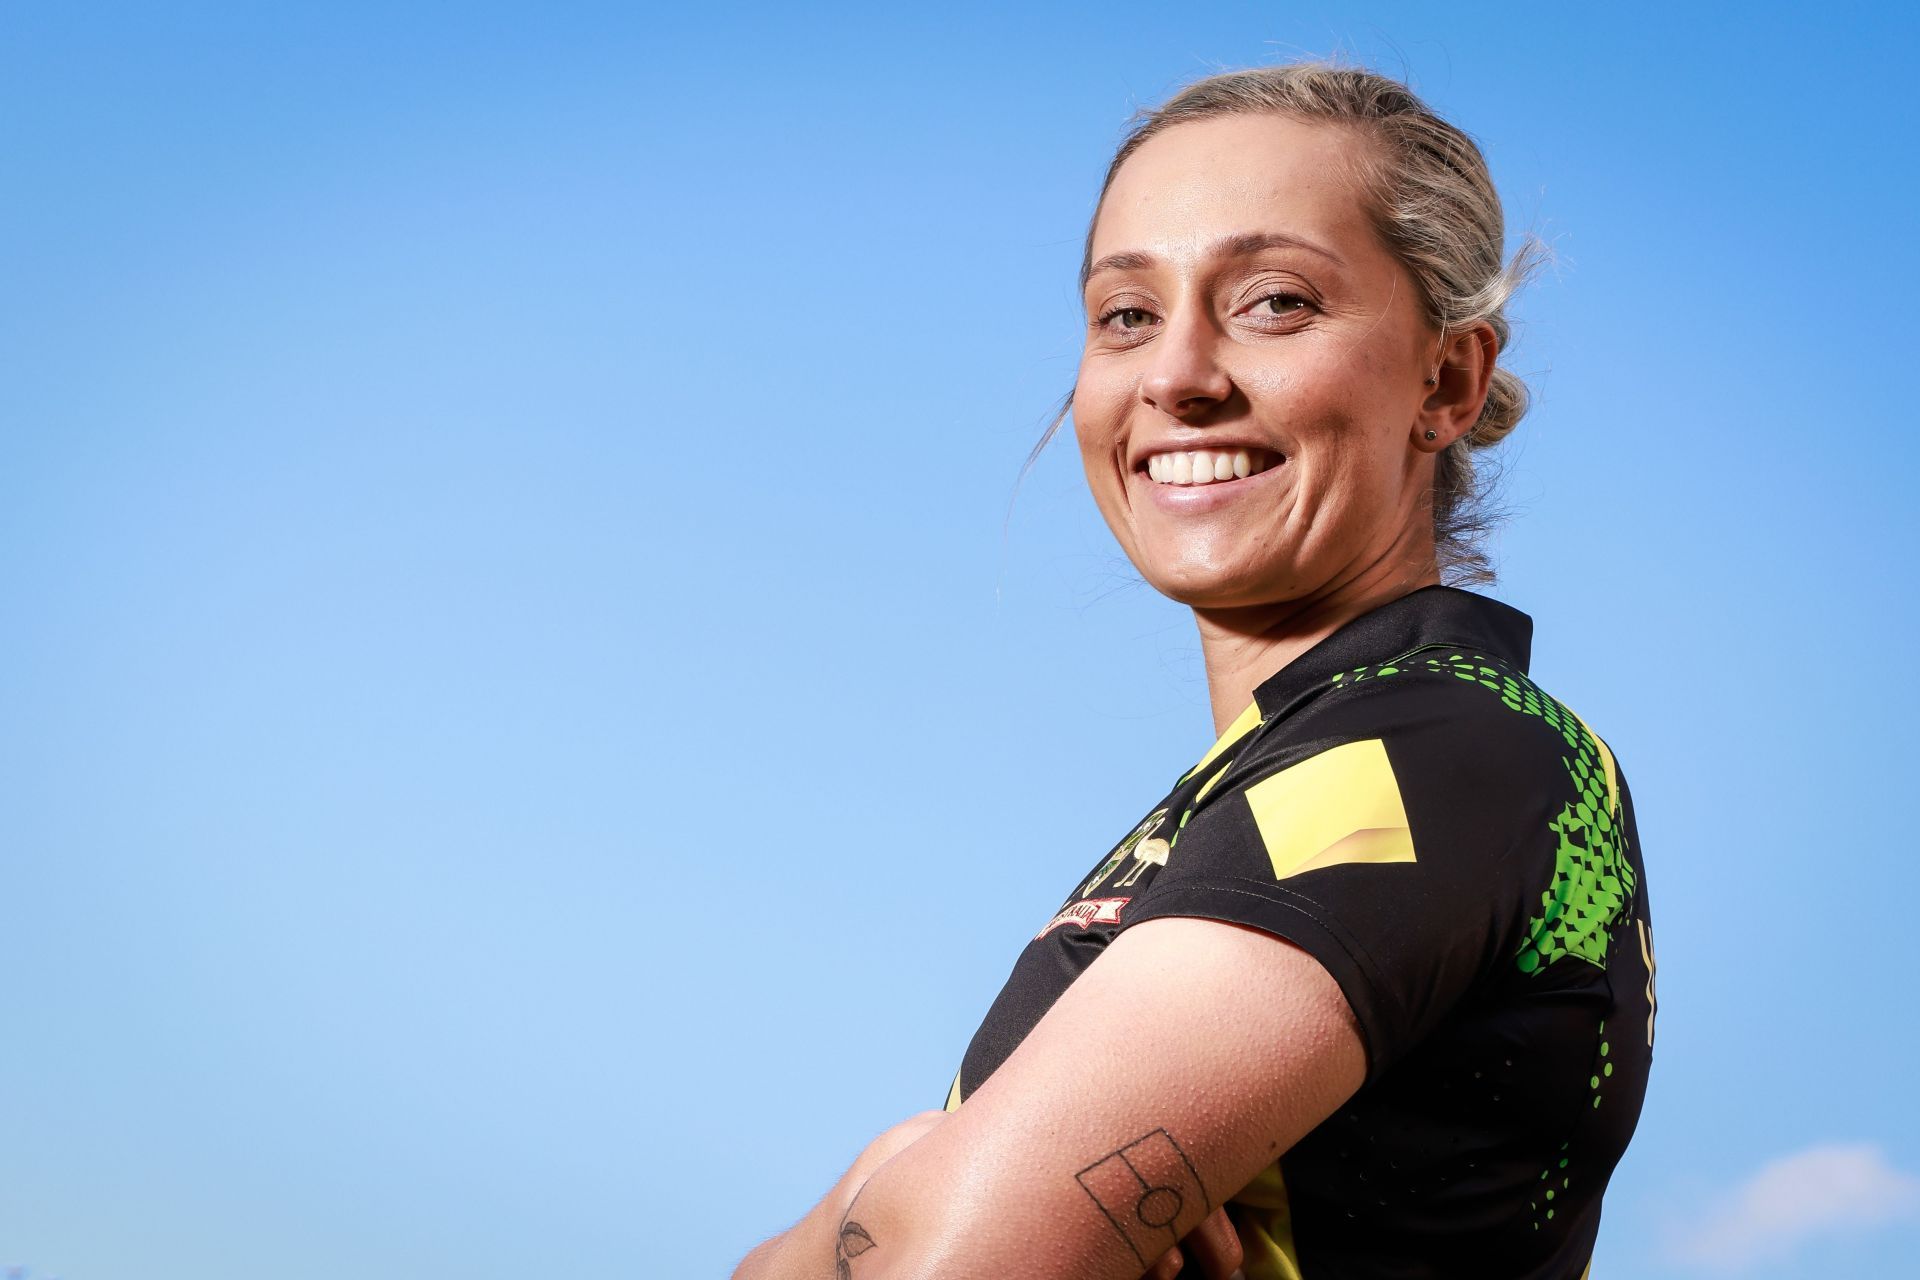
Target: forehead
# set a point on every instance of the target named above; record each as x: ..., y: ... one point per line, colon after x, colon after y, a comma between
x: 1190, y: 185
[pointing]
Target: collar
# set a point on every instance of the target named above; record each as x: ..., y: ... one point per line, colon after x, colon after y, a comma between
x: 1429, y: 616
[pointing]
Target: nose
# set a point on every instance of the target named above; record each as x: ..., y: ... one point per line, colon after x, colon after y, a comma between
x: 1186, y: 377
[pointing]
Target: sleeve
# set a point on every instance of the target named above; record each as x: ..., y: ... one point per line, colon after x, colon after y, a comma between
x: 1391, y: 834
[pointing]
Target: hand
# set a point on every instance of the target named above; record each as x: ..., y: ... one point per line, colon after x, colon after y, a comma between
x: 1214, y: 1245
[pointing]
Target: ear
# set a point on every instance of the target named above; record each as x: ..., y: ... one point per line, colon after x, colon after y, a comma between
x: 1465, y: 372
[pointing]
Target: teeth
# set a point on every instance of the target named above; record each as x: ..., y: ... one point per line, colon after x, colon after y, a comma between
x: 1208, y: 466
x: 1203, y: 468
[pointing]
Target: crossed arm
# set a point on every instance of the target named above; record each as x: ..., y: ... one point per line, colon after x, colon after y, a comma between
x: 1185, y: 1059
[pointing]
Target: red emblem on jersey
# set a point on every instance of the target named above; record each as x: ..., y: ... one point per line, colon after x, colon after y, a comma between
x: 1085, y: 914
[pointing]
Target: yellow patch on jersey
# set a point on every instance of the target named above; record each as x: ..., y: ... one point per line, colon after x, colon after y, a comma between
x: 1207, y: 786
x: 1341, y: 806
x: 1242, y: 723
x: 953, y: 1095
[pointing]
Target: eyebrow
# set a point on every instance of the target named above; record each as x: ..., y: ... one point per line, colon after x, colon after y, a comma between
x: 1241, y: 245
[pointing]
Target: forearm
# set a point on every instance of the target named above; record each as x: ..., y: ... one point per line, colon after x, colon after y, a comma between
x: 888, y: 1225
x: 910, y: 1221
x: 810, y: 1249
x: 895, y: 1216
x: 805, y: 1251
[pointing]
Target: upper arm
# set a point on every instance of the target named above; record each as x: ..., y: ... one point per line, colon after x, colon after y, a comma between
x: 1327, y: 900
x: 1185, y: 1059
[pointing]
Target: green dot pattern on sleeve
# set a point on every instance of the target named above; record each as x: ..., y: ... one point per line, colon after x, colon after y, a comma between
x: 1592, y: 877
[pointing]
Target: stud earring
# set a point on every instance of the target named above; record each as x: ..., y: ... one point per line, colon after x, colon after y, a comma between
x: 1433, y: 382
x: 1432, y: 434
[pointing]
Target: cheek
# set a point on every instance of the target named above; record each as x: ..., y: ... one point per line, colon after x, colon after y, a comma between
x: 1347, y: 419
x: 1099, y: 406
x: 1355, y: 473
x: 1333, y: 379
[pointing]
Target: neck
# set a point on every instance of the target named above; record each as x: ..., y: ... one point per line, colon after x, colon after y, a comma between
x: 1245, y: 646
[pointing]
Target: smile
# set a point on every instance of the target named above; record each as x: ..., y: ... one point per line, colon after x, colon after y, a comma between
x: 1208, y: 466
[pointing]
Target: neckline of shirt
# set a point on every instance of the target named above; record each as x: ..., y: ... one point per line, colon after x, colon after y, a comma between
x: 1428, y: 615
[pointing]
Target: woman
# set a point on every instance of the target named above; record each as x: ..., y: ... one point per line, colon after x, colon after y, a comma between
x: 1369, y: 992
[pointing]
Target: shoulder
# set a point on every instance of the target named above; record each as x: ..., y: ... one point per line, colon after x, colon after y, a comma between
x: 1449, y: 758
x: 1472, y: 719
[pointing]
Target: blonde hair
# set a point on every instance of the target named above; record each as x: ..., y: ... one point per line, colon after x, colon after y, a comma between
x: 1433, y: 205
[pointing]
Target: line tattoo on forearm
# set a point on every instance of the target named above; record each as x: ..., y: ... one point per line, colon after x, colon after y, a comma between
x: 849, y: 1242
x: 1143, y: 1189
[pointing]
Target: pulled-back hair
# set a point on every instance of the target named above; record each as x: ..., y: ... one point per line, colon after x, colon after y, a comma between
x: 1433, y: 204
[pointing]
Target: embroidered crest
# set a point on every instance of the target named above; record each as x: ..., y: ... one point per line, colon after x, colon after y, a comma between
x: 1085, y: 914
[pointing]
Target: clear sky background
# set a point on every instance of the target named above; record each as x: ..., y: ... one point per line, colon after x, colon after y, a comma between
x: 528, y: 733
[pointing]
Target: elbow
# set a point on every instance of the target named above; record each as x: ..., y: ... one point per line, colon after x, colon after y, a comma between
x: 928, y: 1256
x: 898, y: 1255
x: 894, y: 1269
x: 751, y: 1267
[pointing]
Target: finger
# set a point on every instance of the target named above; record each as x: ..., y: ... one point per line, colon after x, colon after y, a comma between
x: 1168, y: 1268
x: 1215, y: 1246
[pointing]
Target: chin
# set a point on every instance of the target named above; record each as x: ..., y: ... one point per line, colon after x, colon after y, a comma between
x: 1221, y: 587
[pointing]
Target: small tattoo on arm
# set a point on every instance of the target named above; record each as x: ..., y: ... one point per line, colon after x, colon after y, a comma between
x: 852, y: 1241
x: 1143, y: 1188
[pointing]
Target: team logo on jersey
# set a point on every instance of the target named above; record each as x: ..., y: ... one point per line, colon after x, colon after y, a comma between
x: 1139, y: 844
x: 1085, y: 914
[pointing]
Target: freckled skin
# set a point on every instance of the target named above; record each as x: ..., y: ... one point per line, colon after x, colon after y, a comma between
x: 1333, y: 378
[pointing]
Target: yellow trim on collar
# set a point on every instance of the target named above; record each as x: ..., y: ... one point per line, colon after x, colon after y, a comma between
x: 1242, y: 725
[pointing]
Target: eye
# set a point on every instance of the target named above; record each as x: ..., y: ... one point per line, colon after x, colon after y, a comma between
x: 1126, y: 316
x: 1284, y: 304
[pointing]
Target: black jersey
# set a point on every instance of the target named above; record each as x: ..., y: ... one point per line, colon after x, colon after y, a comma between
x: 1458, y: 850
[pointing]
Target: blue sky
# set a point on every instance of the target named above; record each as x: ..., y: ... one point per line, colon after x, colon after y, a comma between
x: 528, y: 732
